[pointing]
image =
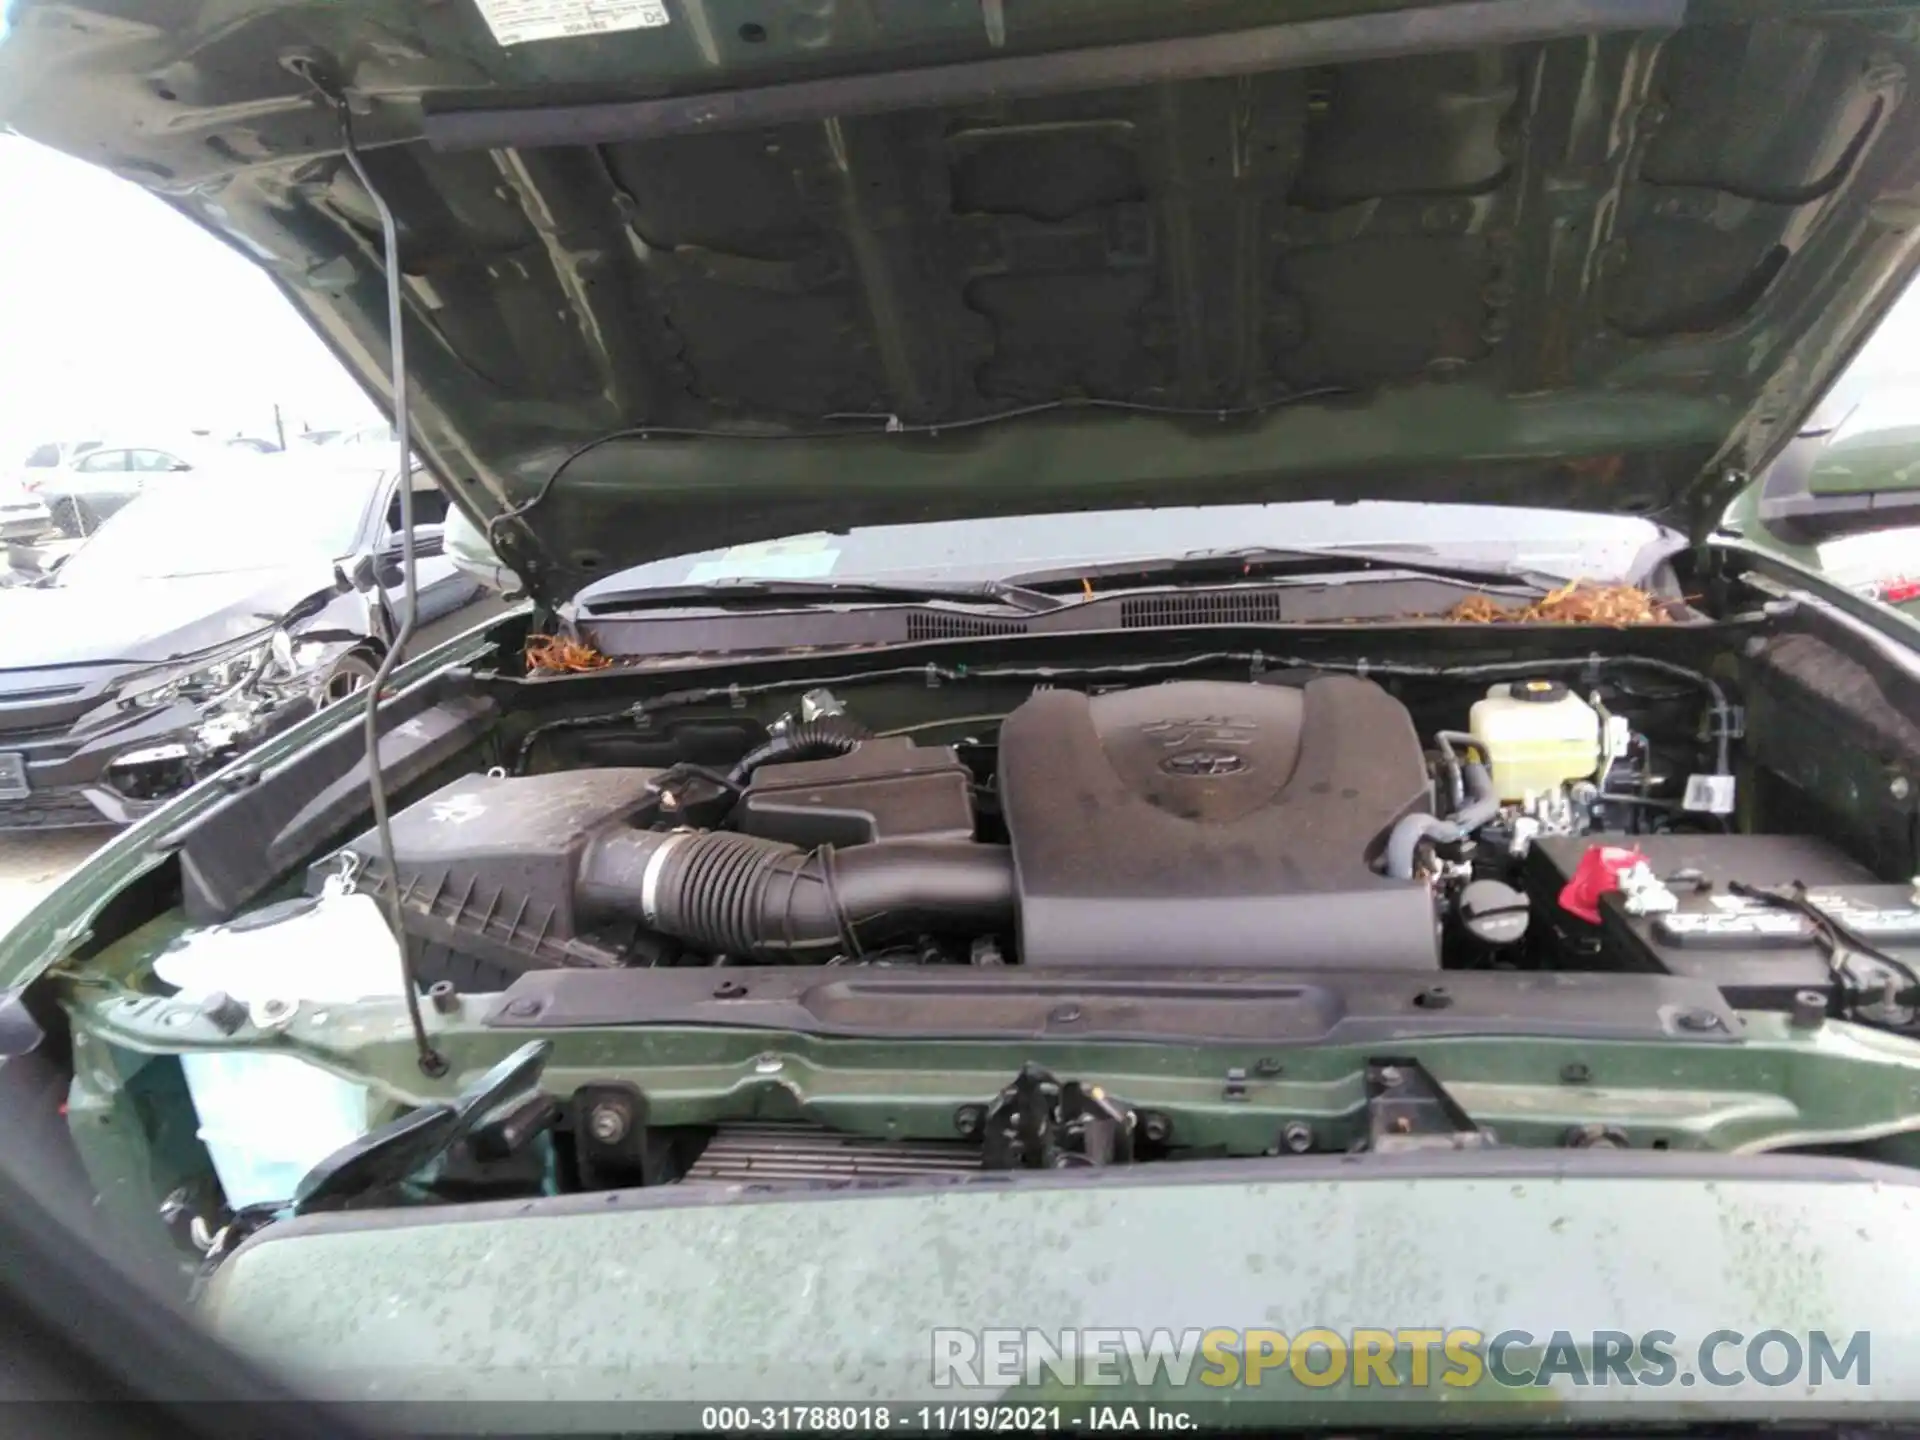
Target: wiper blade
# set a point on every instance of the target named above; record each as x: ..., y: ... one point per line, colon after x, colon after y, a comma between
x: 1268, y: 562
x: 998, y: 593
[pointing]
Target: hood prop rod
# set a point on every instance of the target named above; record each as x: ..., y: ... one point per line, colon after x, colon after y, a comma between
x: 432, y: 1063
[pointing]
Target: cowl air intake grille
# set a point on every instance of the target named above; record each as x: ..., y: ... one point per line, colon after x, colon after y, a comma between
x: 1207, y: 608
x: 760, y: 1151
x: 921, y: 626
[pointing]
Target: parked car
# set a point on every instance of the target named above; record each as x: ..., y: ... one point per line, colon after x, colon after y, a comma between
x: 1119, y: 859
x: 466, y: 545
x: 364, y: 435
x: 1837, y: 498
x: 52, y: 454
x: 194, y: 622
x: 96, y: 482
x: 23, y: 512
x: 23, y: 515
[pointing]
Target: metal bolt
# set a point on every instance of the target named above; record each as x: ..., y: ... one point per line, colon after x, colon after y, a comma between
x: 1267, y: 1067
x: 221, y: 1010
x: 1297, y: 1137
x: 1698, y: 1020
x: 968, y: 1120
x: 441, y: 996
x: 608, y: 1122
x: 1390, y: 1076
x: 1156, y: 1127
x: 1434, y: 997
x: 1809, y: 1010
x: 1575, y: 1074
x: 1063, y: 1014
x: 669, y: 800
x: 768, y: 1065
x: 729, y: 990
x: 525, y: 1009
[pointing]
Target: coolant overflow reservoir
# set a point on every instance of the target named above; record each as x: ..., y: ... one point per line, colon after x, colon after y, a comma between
x: 1537, y: 735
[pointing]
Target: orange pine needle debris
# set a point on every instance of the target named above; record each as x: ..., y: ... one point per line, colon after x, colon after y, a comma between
x: 1575, y: 603
x: 561, y: 654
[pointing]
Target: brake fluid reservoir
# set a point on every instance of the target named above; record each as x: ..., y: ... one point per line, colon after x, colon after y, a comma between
x: 1537, y: 735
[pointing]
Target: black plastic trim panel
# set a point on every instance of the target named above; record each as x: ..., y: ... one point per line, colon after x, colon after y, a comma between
x: 630, y: 629
x: 234, y: 852
x: 1320, y: 1007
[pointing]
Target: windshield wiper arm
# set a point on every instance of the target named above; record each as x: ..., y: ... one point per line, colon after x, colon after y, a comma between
x: 1009, y: 595
x: 1256, y: 562
x: 1026, y: 594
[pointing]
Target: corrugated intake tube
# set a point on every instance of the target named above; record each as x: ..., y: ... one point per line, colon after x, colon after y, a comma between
x: 740, y: 895
x: 819, y: 739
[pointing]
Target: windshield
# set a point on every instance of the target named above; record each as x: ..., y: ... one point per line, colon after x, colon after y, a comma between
x: 196, y: 525
x: 1549, y: 542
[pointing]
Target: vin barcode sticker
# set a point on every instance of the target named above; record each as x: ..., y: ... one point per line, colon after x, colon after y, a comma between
x: 515, y: 22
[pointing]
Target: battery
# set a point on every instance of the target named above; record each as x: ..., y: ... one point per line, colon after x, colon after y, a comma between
x: 1758, y: 955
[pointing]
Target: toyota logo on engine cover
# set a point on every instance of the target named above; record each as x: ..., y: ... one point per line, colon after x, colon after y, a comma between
x: 1204, y: 762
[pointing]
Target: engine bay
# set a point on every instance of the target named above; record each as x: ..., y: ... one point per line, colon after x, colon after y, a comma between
x: 911, y: 924
x: 1298, y: 822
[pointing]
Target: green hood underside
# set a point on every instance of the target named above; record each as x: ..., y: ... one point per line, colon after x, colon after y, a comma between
x: 948, y: 258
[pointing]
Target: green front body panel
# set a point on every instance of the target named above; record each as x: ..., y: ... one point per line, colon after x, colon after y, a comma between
x: 715, y: 1296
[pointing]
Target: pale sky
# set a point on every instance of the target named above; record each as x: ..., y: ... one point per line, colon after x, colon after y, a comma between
x: 118, y: 316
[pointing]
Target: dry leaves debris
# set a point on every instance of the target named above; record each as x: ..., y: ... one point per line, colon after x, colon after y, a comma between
x: 1575, y: 603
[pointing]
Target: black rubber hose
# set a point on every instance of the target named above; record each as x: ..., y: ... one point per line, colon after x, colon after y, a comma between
x: 1444, y: 741
x: 819, y: 739
x: 1482, y: 804
x: 740, y: 895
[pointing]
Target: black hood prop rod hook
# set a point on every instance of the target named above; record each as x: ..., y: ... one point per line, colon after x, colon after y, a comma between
x: 432, y: 1063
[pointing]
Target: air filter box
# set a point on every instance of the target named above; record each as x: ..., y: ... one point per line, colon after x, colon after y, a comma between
x: 886, y: 789
x: 486, y: 871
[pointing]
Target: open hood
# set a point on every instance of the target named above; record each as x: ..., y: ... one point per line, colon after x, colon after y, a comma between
x: 941, y: 259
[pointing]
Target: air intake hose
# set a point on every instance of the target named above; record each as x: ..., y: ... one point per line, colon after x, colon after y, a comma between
x: 819, y: 739
x: 741, y: 895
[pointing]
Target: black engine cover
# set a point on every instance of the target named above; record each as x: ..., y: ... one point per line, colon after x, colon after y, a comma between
x: 1208, y: 823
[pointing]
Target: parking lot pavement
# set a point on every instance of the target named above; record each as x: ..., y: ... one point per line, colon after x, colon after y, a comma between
x: 30, y: 864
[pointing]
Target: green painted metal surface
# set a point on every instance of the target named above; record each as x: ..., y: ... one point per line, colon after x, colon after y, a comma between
x: 1775, y: 1086
x: 1581, y: 252
x: 839, y: 1297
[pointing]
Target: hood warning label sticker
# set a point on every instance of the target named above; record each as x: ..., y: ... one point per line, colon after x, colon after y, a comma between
x: 515, y: 22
